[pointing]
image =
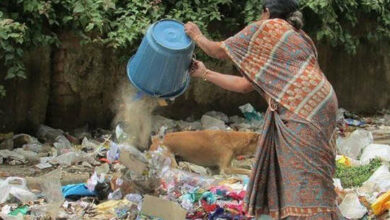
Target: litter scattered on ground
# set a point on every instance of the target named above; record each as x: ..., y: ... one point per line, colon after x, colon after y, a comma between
x: 98, y: 175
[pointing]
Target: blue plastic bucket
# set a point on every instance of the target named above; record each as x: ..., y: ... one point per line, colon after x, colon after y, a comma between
x: 160, y: 66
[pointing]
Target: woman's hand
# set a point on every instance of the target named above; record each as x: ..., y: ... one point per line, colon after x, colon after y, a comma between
x: 197, y: 69
x: 192, y: 30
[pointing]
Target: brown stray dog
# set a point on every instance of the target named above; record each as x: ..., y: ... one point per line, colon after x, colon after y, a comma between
x: 210, y: 147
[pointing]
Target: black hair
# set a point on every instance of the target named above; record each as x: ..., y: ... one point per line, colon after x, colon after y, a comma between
x: 285, y: 9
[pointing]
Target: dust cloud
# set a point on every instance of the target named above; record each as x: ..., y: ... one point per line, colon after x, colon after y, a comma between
x: 134, y: 114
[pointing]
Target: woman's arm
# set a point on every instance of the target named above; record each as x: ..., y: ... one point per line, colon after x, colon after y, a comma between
x: 211, y: 48
x: 228, y: 82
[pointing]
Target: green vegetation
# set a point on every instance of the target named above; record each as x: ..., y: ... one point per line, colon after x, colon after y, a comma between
x: 120, y: 24
x: 356, y: 176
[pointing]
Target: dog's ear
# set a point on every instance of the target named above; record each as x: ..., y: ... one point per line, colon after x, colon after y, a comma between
x: 155, y: 143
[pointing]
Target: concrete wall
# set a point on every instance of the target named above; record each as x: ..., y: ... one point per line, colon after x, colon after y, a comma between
x: 362, y: 82
x: 74, y: 85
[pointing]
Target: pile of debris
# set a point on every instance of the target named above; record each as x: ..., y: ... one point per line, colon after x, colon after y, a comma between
x: 362, y: 166
x: 98, y: 175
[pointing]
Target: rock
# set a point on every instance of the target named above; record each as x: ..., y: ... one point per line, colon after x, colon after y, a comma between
x: 37, y: 148
x: 236, y: 119
x: 22, y: 139
x: 48, y: 134
x: 101, y: 134
x: 12, y: 157
x: 4, y: 136
x: 211, y: 123
x: 67, y: 159
x: 89, y: 144
x: 159, y: 121
x: 218, y: 115
x: 86, y: 164
x: 29, y: 155
x: 62, y: 143
x: 72, y: 139
x: 194, y: 168
x: 189, y: 126
x: 82, y: 132
x: 7, y: 144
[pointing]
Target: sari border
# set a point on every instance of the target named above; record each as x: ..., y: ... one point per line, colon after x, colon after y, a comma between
x: 296, y: 211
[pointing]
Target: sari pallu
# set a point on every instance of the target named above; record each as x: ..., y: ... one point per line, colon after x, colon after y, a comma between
x: 295, y: 160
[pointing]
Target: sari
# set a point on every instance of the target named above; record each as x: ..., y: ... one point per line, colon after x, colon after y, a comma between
x: 295, y: 159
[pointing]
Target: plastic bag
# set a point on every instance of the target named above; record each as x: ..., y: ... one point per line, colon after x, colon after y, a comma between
x: 116, y: 195
x: 355, y: 143
x: 218, y: 115
x: 62, y: 143
x: 337, y: 184
x: 211, y: 123
x: 88, y: 144
x: 16, y: 187
x: 120, y: 134
x: 373, y: 151
x: 29, y: 155
x: 67, y: 159
x: 109, y: 208
x: 380, y: 180
x: 251, y: 114
x: 351, y: 207
x: 48, y: 134
x: 37, y: 148
x: 94, y: 180
x: 76, y: 191
x: 113, y: 153
x: 51, y: 186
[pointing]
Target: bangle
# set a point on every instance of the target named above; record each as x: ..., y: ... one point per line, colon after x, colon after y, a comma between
x: 205, y: 74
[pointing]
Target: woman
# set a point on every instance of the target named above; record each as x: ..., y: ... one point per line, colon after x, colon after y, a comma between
x: 295, y: 161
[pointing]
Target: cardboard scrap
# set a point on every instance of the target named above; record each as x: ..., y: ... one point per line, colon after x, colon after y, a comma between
x: 132, y: 163
x: 161, y: 208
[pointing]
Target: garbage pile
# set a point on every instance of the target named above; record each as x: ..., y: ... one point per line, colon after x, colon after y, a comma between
x: 99, y: 175
x: 362, y: 178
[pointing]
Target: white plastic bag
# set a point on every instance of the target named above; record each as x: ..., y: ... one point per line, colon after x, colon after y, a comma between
x: 372, y: 151
x: 15, y: 186
x: 351, y: 207
x: 51, y: 187
x: 210, y: 123
x: 68, y: 159
x: 353, y: 145
x: 380, y: 180
x: 337, y: 184
x: 113, y: 152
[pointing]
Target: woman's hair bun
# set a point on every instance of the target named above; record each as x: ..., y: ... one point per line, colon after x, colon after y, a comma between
x: 296, y: 19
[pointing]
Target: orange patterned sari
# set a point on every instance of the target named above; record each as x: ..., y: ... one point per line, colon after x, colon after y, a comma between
x: 295, y: 160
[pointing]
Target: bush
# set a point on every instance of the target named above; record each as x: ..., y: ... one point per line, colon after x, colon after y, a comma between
x: 120, y: 24
x: 356, y: 176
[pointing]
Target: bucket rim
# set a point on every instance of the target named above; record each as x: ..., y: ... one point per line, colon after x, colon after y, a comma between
x: 168, y: 95
x: 165, y: 47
